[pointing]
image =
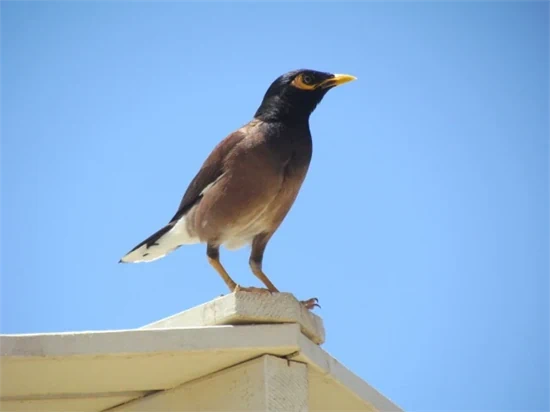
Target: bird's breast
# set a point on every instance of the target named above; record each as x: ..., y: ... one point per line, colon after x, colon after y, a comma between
x: 261, y: 181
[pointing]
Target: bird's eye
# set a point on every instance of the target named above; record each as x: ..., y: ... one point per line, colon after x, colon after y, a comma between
x: 307, y: 79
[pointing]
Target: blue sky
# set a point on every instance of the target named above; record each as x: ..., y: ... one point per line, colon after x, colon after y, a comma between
x: 422, y: 225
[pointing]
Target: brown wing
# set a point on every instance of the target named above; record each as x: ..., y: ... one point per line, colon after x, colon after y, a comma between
x: 211, y: 169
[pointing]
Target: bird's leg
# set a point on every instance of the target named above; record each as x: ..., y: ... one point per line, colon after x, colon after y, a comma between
x: 256, y: 256
x: 213, y: 253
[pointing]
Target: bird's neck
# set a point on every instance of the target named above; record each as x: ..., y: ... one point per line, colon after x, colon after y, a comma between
x: 276, y: 109
x: 286, y: 137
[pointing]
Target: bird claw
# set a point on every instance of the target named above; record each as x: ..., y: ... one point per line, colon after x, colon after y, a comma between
x: 310, y: 303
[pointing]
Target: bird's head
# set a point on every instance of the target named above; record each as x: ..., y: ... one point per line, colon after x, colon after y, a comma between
x: 293, y: 96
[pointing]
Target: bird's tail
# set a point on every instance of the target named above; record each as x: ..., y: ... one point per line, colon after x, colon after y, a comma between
x: 161, y: 243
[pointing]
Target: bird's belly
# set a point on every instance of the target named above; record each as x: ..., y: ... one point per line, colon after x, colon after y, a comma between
x: 266, y: 220
x: 237, y: 243
x: 241, y: 235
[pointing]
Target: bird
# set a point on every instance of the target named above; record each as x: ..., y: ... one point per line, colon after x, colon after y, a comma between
x: 248, y: 183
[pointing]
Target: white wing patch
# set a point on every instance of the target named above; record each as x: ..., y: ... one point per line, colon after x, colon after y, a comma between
x: 209, y: 186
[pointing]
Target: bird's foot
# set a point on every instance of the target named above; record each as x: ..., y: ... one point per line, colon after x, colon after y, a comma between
x: 251, y: 289
x: 310, y: 303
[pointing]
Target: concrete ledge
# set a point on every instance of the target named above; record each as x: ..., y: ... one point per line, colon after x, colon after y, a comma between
x: 245, y: 308
x: 98, y: 371
x: 139, y: 341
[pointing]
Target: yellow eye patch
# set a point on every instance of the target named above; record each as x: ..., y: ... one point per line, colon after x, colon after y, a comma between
x: 299, y: 83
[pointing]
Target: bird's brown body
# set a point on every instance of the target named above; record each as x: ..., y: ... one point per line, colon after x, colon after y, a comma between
x: 250, y: 180
x: 262, y: 169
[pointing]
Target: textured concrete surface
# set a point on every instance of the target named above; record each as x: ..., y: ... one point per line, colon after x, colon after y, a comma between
x: 245, y: 308
x: 265, y: 384
x: 161, y: 365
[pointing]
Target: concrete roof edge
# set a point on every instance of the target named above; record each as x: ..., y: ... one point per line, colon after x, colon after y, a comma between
x: 268, y: 338
x: 150, y: 340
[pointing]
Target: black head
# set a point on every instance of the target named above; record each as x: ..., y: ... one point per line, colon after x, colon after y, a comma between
x: 293, y: 96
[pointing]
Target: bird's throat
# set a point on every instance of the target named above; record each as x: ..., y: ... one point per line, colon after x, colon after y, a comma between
x: 276, y: 109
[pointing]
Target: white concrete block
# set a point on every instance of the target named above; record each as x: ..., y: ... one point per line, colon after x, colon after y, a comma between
x: 73, y: 364
x: 268, y: 383
x: 245, y: 308
x: 53, y: 371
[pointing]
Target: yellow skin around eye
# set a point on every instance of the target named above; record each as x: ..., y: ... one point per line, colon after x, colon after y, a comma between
x: 298, y: 82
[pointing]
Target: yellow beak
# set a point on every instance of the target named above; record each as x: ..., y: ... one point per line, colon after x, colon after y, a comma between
x: 338, y: 80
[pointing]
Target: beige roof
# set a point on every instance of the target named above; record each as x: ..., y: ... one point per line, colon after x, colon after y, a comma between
x: 96, y: 371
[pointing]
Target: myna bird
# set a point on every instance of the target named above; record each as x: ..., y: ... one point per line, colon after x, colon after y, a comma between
x: 249, y: 182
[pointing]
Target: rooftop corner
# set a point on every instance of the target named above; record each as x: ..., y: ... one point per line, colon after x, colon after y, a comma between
x: 242, y: 351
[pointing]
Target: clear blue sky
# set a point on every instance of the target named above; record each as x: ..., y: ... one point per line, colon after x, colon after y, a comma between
x: 423, y: 222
